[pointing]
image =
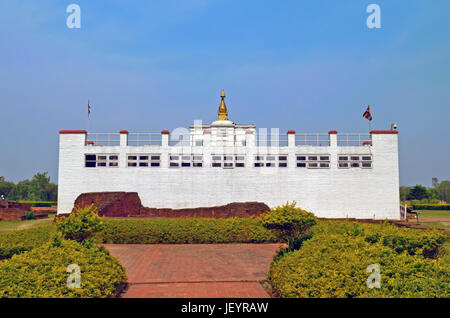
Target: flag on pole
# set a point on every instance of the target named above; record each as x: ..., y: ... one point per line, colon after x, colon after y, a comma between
x: 367, y: 114
x: 89, y: 108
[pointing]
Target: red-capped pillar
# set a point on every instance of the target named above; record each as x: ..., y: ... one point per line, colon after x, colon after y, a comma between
x: 165, y: 138
x: 291, y: 138
x: 332, y: 137
x: 124, y: 138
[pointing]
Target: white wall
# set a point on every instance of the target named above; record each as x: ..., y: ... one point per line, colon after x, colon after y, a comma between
x: 333, y: 192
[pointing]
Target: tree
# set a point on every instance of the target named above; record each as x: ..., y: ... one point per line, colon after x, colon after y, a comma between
x: 21, y: 191
x: 435, y: 182
x: 404, y: 193
x: 418, y: 192
x: 5, y: 187
x: 39, y: 188
x: 52, y: 192
x: 290, y: 223
x: 444, y: 191
x: 433, y: 194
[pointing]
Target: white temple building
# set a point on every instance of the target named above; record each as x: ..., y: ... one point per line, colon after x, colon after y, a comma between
x: 332, y: 175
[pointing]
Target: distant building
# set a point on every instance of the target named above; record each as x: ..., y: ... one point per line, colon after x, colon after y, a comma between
x: 333, y: 175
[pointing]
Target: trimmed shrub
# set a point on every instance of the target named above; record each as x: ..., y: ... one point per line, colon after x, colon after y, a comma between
x: 184, y: 230
x: 81, y: 224
x: 335, y: 265
x: 290, y: 223
x: 426, y: 201
x: 431, y: 206
x: 15, y: 242
x: 42, y: 272
x: 400, y: 239
x: 35, y: 204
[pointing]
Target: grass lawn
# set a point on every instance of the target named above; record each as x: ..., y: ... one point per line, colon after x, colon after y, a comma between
x: 6, y: 226
x: 434, y: 213
x: 438, y: 224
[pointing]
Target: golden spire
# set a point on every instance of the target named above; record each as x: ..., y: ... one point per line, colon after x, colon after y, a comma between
x: 223, y: 113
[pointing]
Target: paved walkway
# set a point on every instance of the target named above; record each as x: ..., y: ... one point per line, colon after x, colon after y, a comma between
x: 430, y: 219
x: 195, y: 270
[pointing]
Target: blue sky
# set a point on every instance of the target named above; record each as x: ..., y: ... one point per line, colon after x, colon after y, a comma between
x: 310, y: 65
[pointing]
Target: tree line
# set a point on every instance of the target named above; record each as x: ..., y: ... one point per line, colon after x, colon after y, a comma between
x: 440, y: 191
x: 39, y: 188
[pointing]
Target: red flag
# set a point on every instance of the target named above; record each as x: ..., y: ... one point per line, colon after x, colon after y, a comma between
x: 89, y: 108
x: 367, y: 114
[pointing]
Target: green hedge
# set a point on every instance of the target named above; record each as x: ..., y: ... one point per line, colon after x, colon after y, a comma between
x: 42, y: 272
x: 43, y: 204
x: 148, y: 231
x: 15, y: 242
x: 184, y: 230
x: 335, y: 265
x: 400, y: 239
x: 431, y: 206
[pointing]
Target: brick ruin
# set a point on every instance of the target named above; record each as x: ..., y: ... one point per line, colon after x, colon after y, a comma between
x: 17, y: 211
x: 13, y: 210
x: 128, y: 204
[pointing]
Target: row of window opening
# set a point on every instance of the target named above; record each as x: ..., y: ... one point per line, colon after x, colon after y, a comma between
x: 230, y: 161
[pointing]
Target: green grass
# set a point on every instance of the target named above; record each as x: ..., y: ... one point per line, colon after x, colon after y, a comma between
x: 434, y: 213
x: 7, y: 226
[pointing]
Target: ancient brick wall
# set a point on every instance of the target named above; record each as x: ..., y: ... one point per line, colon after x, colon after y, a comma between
x: 237, y: 209
x: 13, y: 210
x: 112, y: 203
x: 124, y: 204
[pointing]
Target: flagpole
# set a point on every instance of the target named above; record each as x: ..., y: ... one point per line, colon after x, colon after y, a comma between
x: 368, y: 116
x: 89, y: 115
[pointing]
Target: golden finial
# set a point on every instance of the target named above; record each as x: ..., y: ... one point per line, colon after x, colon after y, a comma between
x: 223, y: 113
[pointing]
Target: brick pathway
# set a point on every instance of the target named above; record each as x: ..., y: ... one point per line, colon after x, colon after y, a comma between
x: 195, y: 270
